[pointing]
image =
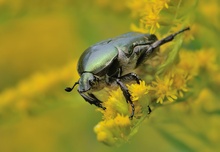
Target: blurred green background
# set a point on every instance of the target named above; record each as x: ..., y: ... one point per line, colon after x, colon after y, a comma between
x: 40, y: 43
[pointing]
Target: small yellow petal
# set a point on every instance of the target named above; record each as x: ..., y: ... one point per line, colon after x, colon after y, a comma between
x: 173, y: 96
x: 170, y: 99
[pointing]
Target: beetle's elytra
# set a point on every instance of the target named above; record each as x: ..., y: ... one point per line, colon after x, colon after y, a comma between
x: 112, y: 62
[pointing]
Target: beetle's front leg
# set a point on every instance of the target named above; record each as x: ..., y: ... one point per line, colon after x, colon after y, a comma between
x: 130, y: 77
x: 92, y: 100
x: 127, y: 96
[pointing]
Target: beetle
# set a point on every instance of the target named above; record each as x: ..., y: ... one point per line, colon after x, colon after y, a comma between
x: 112, y: 62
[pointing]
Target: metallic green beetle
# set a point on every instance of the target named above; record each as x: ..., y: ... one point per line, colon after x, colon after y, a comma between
x: 111, y: 62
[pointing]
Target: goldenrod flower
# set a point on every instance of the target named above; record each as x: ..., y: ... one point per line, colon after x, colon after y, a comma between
x: 180, y: 79
x: 113, y: 131
x: 37, y: 84
x: 151, y: 19
x: 116, y: 126
x: 163, y: 89
x: 115, y: 104
x: 151, y: 16
x: 138, y: 90
x: 149, y: 10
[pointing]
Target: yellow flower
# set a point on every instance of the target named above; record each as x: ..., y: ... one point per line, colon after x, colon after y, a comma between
x: 116, y: 126
x: 122, y: 121
x: 112, y: 131
x: 149, y: 12
x: 151, y: 16
x: 138, y: 90
x: 163, y: 89
x: 115, y: 104
x: 151, y: 20
x: 103, y: 133
x: 180, y: 81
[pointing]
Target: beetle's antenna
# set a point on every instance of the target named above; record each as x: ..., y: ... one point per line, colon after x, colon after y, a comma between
x: 166, y: 39
x: 69, y: 89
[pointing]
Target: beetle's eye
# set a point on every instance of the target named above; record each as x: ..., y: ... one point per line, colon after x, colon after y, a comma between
x: 92, y: 82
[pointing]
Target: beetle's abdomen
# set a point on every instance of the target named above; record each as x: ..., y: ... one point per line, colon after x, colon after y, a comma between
x: 96, y: 58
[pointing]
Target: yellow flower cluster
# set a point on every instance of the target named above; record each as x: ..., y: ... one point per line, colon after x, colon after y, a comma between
x: 116, y: 126
x: 149, y: 10
x: 152, y: 14
x: 114, y: 130
x: 39, y: 83
x: 174, y: 82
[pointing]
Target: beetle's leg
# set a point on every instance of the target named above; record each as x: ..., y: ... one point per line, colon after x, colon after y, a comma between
x: 130, y: 77
x: 92, y: 100
x: 127, y: 96
x: 165, y: 40
x: 98, y: 103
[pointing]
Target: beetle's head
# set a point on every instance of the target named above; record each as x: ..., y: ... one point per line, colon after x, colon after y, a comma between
x: 87, y: 81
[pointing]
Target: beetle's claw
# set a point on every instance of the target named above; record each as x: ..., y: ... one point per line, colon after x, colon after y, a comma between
x: 138, y: 80
x: 149, y: 110
x: 131, y: 116
x: 100, y: 106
